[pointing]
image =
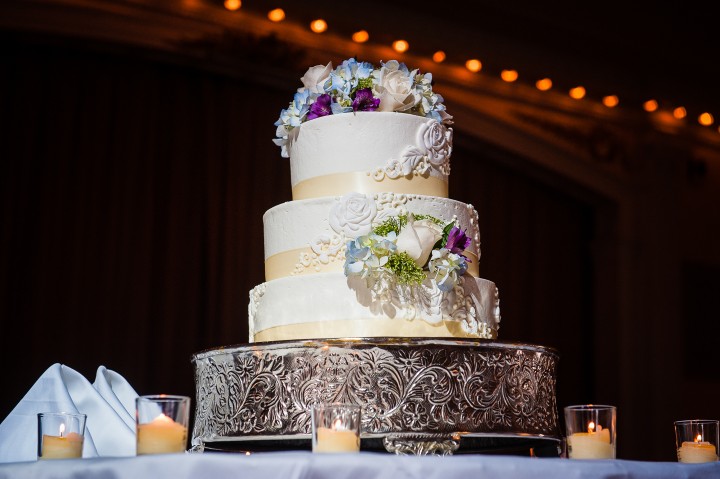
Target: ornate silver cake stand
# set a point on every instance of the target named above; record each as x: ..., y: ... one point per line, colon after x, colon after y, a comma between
x: 418, y: 396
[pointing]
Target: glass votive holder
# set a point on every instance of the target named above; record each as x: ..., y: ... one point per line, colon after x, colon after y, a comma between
x: 590, y: 431
x: 61, y: 435
x: 162, y: 423
x: 697, y: 440
x: 336, y: 427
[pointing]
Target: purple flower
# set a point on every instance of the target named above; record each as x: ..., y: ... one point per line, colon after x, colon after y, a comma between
x: 364, y: 101
x: 457, y: 241
x: 321, y: 107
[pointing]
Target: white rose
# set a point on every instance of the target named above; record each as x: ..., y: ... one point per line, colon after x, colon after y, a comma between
x: 315, y: 78
x: 437, y: 141
x: 396, y: 92
x: 352, y: 215
x: 417, y: 239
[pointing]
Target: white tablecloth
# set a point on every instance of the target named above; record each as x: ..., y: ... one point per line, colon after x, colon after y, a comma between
x: 366, y: 465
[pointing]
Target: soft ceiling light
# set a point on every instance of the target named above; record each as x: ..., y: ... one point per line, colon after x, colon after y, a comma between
x: 233, y: 5
x: 361, y: 37
x: 318, y: 26
x: 680, y: 112
x: 276, y: 15
x: 706, y: 119
x: 611, y: 101
x: 578, y: 92
x: 400, y: 46
x: 650, y: 106
x: 439, y: 56
x: 544, y: 84
x: 473, y: 65
x: 509, y: 75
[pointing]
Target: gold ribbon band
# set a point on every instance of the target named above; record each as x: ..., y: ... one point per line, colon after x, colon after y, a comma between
x: 288, y: 262
x: 340, y: 183
x: 366, y: 328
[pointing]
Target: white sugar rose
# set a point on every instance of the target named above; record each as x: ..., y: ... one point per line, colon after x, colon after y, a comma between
x: 396, y: 92
x: 437, y: 140
x: 352, y: 215
x: 315, y: 78
x: 417, y: 239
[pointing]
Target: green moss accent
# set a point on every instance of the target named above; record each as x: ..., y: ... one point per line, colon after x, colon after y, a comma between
x: 437, y: 221
x: 397, y: 223
x: 364, y: 83
x: 391, y: 224
x: 405, y: 269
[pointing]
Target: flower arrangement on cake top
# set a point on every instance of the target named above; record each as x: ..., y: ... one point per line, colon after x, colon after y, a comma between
x: 360, y: 86
x: 411, y: 248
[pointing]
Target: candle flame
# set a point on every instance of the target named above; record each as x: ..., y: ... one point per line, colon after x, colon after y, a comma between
x: 62, y: 429
x: 591, y: 426
x: 698, y: 438
x: 162, y: 418
x: 337, y: 424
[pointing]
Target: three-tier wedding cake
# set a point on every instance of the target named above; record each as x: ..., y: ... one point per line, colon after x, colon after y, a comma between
x: 372, y: 292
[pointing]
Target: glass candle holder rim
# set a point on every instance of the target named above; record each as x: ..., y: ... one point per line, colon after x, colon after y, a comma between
x: 163, y: 397
x: 63, y: 413
x: 689, y: 422
x: 590, y: 407
x: 324, y: 405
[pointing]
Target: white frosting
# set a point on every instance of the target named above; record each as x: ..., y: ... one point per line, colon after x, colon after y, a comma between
x: 376, y: 144
x: 309, y: 224
x: 331, y: 297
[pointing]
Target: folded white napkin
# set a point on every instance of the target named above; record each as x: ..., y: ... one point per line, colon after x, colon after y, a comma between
x: 109, y: 404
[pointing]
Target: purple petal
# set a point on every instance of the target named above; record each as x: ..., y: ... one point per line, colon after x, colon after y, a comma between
x: 321, y: 107
x: 364, y: 101
x: 457, y: 241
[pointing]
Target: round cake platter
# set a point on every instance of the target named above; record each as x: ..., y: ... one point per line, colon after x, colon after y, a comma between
x: 418, y: 396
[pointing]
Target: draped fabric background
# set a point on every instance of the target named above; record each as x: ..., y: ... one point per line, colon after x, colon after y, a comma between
x: 133, y: 190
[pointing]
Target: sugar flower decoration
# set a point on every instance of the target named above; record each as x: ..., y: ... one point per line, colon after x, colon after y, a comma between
x: 359, y: 86
x: 410, y: 248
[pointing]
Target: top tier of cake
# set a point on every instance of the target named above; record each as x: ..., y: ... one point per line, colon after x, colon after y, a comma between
x: 367, y: 129
x: 370, y: 152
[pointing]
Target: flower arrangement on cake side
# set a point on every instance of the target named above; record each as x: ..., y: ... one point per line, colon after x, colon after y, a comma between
x: 409, y: 247
x: 402, y: 248
x: 360, y: 86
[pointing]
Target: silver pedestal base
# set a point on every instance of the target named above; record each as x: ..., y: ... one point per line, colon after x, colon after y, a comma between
x: 419, y: 396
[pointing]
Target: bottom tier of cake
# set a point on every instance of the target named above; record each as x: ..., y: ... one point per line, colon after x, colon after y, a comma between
x: 418, y: 396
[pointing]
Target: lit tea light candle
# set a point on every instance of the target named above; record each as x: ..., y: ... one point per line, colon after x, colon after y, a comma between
x: 63, y: 446
x: 161, y: 435
x: 336, y: 439
x: 594, y: 444
x: 697, y: 451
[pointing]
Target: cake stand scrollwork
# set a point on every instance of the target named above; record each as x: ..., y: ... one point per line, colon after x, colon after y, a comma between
x: 428, y: 396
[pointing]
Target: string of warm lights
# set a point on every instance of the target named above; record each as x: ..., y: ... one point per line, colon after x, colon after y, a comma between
x: 474, y: 65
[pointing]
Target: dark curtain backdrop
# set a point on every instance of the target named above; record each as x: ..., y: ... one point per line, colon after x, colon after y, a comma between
x: 133, y: 190
x: 132, y: 200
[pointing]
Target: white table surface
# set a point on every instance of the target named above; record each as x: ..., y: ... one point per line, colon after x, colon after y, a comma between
x: 290, y: 465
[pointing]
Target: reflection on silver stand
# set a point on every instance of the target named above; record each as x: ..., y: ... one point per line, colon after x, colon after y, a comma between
x: 418, y: 396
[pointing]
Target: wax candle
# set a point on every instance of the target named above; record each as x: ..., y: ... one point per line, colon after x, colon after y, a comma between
x: 697, y: 451
x: 594, y: 444
x: 336, y: 439
x: 62, y: 447
x: 161, y: 435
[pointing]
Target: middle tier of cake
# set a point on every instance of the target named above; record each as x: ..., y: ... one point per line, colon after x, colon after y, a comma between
x: 310, y: 236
